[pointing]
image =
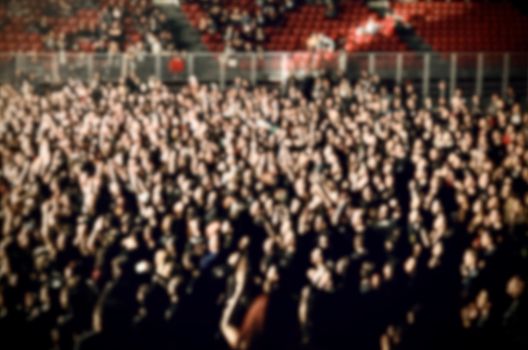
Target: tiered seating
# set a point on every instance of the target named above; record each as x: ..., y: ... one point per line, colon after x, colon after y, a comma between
x: 194, y: 13
x: 462, y: 26
x: 3, y: 13
x: 303, y: 22
x: 16, y: 35
x: 17, y: 16
x: 309, y: 19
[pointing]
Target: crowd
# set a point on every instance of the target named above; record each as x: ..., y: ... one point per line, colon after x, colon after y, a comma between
x: 111, y: 32
x: 119, y: 25
x: 328, y: 215
x: 239, y: 29
x: 245, y: 30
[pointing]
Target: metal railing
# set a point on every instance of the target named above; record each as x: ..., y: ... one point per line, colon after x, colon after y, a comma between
x: 474, y: 73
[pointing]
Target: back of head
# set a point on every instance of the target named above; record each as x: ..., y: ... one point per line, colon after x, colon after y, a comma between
x: 270, y: 323
x: 112, y: 315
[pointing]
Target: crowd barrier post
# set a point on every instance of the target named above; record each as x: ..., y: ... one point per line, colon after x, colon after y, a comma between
x: 426, y: 74
x: 480, y: 74
x: 453, y: 73
x: 505, y: 73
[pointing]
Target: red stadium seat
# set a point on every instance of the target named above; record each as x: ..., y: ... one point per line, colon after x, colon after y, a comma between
x: 461, y: 26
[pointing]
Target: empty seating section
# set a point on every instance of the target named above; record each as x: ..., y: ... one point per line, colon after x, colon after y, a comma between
x: 462, y: 26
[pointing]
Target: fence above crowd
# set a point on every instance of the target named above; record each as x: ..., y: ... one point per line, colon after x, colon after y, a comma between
x: 474, y: 73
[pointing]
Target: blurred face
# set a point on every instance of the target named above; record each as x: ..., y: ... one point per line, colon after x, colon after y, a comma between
x: 470, y: 258
x: 410, y: 265
x: 213, y: 243
x: 388, y: 272
x: 272, y: 276
x: 29, y: 300
x: 482, y: 299
x: 320, y: 224
x: 486, y: 240
x: 515, y: 287
x: 317, y: 256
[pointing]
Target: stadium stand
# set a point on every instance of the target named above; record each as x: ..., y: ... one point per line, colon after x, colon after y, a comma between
x: 86, y: 26
x: 467, y: 26
x: 300, y: 22
x: 83, y: 26
x: 445, y: 25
